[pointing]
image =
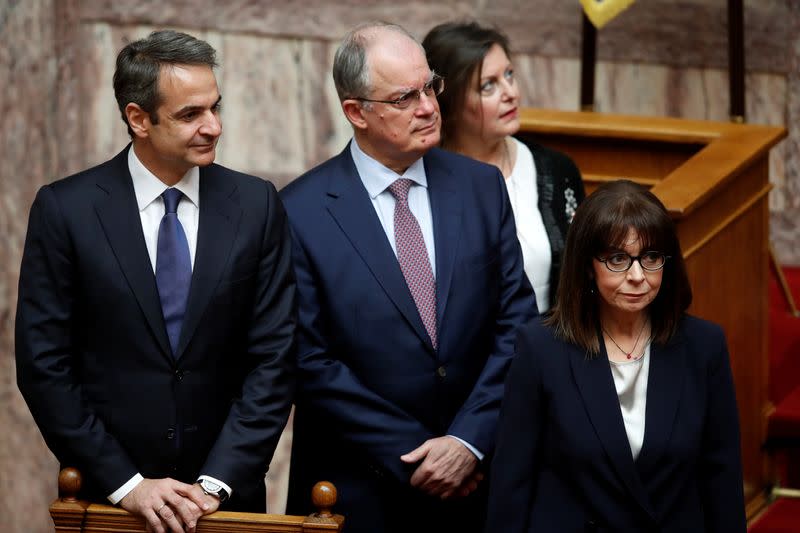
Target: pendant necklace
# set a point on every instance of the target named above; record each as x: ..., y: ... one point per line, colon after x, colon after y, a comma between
x: 629, y: 355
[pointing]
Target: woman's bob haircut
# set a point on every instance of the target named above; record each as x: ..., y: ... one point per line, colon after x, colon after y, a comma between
x: 601, y: 224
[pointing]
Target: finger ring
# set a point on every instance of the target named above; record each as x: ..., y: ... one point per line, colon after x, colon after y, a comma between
x: 158, y: 511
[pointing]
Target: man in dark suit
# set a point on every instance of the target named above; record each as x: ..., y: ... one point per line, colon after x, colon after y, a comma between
x: 156, y: 305
x: 410, y: 288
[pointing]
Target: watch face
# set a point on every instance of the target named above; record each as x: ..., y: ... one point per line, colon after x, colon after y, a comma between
x: 210, y: 486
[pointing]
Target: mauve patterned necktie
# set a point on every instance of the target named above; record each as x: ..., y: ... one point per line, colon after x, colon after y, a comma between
x: 413, y: 257
x: 173, y: 267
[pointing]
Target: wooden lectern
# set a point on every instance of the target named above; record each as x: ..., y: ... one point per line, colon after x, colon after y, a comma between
x: 713, y: 177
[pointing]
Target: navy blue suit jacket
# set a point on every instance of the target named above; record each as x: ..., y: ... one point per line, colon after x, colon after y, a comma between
x: 93, y: 358
x: 371, y: 387
x: 563, y: 462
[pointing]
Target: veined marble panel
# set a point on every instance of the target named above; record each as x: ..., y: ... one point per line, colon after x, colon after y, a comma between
x: 262, y: 117
x: 548, y: 82
x: 327, y: 129
x: 687, y: 33
x: 311, y: 19
x: 29, y: 159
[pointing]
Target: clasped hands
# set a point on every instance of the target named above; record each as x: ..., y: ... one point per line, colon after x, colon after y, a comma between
x: 167, y: 505
x: 448, y: 469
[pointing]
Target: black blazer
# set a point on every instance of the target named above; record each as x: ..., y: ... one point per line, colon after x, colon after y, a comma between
x: 563, y: 463
x: 371, y: 387
x: 560, y: 190
x: 93, y: 358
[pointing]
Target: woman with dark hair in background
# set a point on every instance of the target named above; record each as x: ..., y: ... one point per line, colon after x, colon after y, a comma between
x: 480, y: 113
x: 619, y: 412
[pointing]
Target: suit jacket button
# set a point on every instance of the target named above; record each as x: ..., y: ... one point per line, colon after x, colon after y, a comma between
x: 178, y: 375
x: 171, y: 433
x: 441, y: 371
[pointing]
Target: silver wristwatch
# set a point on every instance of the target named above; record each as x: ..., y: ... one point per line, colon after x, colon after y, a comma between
x: 213, y: 489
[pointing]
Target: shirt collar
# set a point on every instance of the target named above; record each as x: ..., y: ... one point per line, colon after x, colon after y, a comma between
x: 377, y: 177
x: 148, y: 187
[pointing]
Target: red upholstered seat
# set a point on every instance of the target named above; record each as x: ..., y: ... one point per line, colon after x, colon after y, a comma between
x: 783, y: 516
x: 783, y: 425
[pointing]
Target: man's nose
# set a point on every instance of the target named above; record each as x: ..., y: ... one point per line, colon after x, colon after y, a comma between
x: 212, y: 124
x: 426, y: 104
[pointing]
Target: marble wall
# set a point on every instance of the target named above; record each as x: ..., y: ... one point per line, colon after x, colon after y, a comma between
x: 281, y: 115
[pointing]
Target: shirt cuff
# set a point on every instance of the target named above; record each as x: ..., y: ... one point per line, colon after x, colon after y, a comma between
x: 218, y: 482
x: 469, y: 446
x: 123, y: 491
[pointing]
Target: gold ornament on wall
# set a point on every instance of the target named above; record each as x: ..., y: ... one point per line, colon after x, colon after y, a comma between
x: 600, y: 12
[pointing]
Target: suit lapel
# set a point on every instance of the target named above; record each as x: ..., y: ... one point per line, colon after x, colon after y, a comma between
x: 443, y: 192
x: 596, y: 386
x: 350, y: 206
x: 664, y: 387
x: 119, y: 216
x: 216, y: 232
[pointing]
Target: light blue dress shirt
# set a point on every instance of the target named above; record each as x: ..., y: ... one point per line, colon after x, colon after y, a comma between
x: 376, y: 179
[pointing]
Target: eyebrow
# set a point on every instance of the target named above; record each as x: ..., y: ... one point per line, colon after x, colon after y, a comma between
x: 404, y: 91
x: 494, y: 77
x: 190, y: 108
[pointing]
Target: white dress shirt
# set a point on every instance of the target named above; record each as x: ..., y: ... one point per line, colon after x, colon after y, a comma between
x: 531, y: 233
x: 376, y: 179
x: 630, y: 380
x: 148, y: 189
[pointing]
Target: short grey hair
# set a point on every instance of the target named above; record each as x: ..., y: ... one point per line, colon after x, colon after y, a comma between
x: 350, y: 70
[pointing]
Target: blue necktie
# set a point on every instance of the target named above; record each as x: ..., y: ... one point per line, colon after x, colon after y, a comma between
x: 173, y: 267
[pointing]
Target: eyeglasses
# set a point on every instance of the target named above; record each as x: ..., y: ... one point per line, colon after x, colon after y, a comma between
x: 431, y: 89
x: 621, y: 262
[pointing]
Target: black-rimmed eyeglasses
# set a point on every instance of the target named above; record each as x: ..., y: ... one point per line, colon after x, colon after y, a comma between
x: 621, y: 262
x: 432, y: 88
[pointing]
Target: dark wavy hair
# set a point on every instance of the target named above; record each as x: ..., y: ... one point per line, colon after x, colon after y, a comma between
x: 455, y: 51
x: 601, y: 223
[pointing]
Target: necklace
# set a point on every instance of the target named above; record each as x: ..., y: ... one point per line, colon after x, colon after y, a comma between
x: 629, y: 355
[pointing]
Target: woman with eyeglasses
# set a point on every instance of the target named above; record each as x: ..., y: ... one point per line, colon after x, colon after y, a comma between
x: 480, y: 113
x: 619, y: 412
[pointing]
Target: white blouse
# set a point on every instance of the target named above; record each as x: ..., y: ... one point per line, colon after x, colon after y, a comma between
x: 531, y: 233
x: 630, y: 379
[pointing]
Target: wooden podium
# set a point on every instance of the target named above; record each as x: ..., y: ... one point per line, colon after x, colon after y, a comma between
x: 713, y: 177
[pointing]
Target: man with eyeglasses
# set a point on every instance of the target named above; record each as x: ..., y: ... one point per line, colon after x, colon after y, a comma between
x: 410, y: 289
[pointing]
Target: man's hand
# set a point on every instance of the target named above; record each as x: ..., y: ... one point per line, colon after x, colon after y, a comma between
x: 168, y: 505
x: 446, y: 467
x: 208, y: 503
x: 470, y: 484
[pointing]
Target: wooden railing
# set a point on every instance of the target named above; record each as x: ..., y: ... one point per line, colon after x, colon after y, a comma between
x: 78, y: 516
